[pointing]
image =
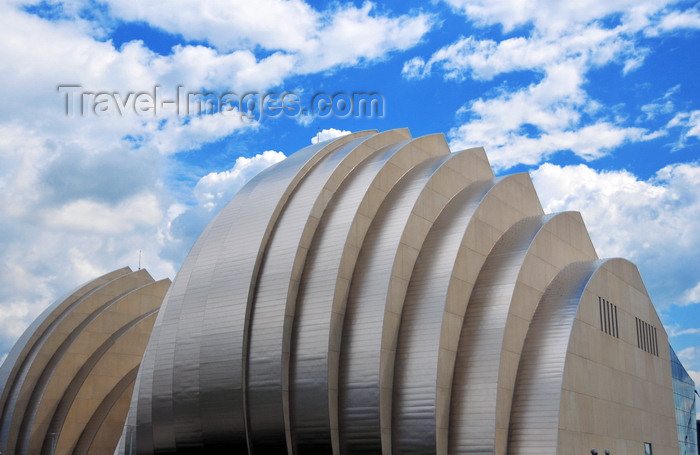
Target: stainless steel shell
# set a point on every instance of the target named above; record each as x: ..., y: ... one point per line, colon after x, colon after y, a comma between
x: 371, y: 294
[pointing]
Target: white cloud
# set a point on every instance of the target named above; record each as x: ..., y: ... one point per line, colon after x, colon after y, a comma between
x: 695, y: 376
x: 95, y: 217
x: 689, y: 354
x: 227, y: 25
x: 652, y: 110
x: 326, y: 134
x: 675, y: 331
x: 651, y: 222
x: 353, y: 35
x: 81, y: 195
x: 689, y: 123
x: 556, y: 16
x: 694, y: 124
x: 560, y: 43
x: 211, y: 193
x: 313, y: 40
x: 182, y: 134
x: 217, y: 188
x: 693, y: 295
x: 57, y: 53
x: 528, y: 125
x: 41, y: 262
x: 484, y: 59
x: 680, y: 20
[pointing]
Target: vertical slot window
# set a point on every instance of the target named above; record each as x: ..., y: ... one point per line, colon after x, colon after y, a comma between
x: 608, y: 317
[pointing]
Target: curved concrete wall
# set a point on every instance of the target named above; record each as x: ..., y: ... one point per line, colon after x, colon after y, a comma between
x: 581, y: 387
x: 66, y: 384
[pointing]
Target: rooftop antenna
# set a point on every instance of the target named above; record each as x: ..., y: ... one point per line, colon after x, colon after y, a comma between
x: 318, y: 134
x: 139, y: 259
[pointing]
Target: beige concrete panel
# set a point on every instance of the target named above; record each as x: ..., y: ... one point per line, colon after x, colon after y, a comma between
x: 105, y: 375
x: 631, y: 386
x: 538, y: 396
x: 51, y: 347
x: 22, y: 348
x: 107, y: 437
x: 505, y: 296
x: 99, y: 328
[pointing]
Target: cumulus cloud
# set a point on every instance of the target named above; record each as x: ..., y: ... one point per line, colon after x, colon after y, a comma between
x: 651, y: 222
x: 313, y: 40
x: 528, y: 125
x: 679, y: 20
x: 273, y: 24
x: 82, y: 194
x: 353, y: 35
x: 692, y: 295
x: 68, y: 240
x: 695, y: 375
x: 484, y: 59
x: 58, y: 53
x: 327, y: 134
x: 210, y: 193
x: 676, y: 331
x: 690, y: 355
x: 557, y: 16
x: 95, y: 217
x: 559, y: 43
x: 216, y: 188
x: 41, y: 259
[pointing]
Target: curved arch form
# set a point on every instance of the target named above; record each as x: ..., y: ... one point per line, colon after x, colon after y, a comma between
x: 567, y: 386
x: 101, y: 415
x: 57, y: 354
x: 504, y: 298
x: 372, y: 293
x: 541, y: 370
x: 321, y: 308
x: 436, y: 302
x: 382, y: 273
x: 196, y: 350
x: 274, y: 305
x: 24, y: 361
x: 103, y: 356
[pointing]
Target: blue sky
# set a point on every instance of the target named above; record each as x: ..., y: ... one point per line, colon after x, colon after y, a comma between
x: 598, y: 100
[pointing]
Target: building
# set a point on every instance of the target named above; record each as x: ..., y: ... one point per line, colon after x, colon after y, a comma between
x: 684, y: 400
x: 379, y: 294
x: 67, y: 383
